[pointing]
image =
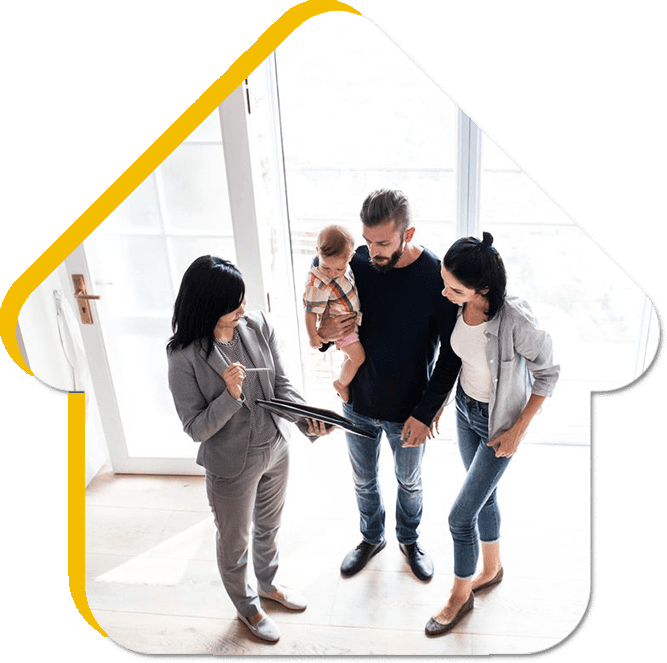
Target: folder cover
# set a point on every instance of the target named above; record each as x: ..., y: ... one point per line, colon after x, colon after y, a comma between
x: 279, y: 406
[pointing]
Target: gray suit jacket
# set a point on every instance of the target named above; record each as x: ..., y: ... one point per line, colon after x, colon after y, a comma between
x: 209, y: 414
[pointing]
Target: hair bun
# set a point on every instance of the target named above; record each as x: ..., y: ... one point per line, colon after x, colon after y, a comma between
x: 487, y: 239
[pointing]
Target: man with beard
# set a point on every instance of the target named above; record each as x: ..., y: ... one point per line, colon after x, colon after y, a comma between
x: 400, y: 388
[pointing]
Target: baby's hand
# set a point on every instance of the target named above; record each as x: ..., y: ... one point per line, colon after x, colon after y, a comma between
x: 316, y: 341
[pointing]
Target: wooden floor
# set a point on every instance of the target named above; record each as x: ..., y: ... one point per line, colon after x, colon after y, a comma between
x: 153, y: 584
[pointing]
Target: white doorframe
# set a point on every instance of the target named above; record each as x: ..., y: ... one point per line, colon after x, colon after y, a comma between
x: 238, y: 166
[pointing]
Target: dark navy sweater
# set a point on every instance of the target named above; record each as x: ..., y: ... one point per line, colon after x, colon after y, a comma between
x: 405, y: 320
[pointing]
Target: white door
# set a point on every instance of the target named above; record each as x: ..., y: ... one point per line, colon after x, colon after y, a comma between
x: 134, y: 262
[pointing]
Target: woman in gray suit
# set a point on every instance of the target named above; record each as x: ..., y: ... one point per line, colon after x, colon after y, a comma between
x: 220, y: 360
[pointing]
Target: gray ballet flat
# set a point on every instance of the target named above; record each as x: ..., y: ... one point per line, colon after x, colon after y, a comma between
x: 494, y: 581
x: 436, y: 628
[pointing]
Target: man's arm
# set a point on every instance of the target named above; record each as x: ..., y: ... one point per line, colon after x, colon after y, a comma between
x: 417, y: 428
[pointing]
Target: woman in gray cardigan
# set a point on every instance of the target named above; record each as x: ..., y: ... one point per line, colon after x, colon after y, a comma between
x: 220, y: 360
x: 507, y: 372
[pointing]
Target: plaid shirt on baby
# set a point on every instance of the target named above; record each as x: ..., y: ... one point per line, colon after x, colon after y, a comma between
x: 340, y: 292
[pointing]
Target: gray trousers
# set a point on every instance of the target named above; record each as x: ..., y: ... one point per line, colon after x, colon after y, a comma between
x: 250, y: 503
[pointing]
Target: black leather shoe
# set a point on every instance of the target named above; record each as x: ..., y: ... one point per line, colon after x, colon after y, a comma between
x: 356, y: 560
x: 419, y: 561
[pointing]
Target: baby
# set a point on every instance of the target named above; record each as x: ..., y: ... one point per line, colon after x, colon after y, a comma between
x: 332, y: 282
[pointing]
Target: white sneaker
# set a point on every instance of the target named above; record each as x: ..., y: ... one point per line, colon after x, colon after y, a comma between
x: 266, y: 628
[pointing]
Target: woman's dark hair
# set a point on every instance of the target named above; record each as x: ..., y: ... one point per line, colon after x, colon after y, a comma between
x: 478, y: 266
x: 211, y: 287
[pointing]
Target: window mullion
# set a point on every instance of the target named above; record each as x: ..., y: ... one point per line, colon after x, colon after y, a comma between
x: 469, y: 176
x: 238, y: 165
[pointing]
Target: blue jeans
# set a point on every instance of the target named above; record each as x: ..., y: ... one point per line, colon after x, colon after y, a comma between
x: 364, y: 456
x: 474, y: 515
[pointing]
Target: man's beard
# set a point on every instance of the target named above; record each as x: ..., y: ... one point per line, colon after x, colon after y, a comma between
x: 391, y: 263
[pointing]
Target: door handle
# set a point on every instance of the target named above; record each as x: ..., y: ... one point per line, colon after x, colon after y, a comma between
x: 82, y: 297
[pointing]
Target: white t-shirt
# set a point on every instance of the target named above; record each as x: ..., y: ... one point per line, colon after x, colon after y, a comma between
x: 469, y: 343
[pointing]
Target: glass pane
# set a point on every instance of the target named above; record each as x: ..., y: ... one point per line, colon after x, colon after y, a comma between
x: 132, y: 274
x: 184, y: 250
x: 358, y: 115
x: 589, y: 306
x: 139, y: 212
x: 193, y: 185
x: 137, y: 258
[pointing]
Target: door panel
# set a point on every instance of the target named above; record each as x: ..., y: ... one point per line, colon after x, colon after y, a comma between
x: 134, y: 261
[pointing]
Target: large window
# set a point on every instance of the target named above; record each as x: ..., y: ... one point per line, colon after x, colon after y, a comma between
x: 355, y: 115
x: 601, y: 323
x: 337, y: 112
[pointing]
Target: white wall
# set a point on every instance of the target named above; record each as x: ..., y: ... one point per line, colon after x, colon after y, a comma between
x: 46, y: 357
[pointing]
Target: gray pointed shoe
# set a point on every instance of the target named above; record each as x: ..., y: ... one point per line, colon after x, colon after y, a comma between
x: 494, y: 581
x: 436, y: 628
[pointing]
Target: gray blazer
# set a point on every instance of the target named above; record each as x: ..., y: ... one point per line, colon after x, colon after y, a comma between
x: 209, y: 414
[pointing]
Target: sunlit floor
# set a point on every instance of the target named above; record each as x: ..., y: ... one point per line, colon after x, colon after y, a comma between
x: 153, y: 584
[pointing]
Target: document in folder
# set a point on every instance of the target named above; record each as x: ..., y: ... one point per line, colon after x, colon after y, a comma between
x: 308, y: 412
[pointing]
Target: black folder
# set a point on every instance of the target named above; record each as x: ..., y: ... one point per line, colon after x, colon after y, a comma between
x: 279, y: 406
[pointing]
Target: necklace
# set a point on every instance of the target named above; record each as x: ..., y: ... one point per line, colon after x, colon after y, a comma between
x: 230, y: 342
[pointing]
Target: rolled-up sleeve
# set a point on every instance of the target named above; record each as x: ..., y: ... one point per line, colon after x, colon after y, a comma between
x: 535, y: 345
x: 543, y: 369
x: 521, y: 360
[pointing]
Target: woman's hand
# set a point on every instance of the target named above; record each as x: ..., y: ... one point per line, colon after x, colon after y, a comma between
x: 318, y: 428
x: 435, y: 426
x: 234, y: 376
x: 506, y: 444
